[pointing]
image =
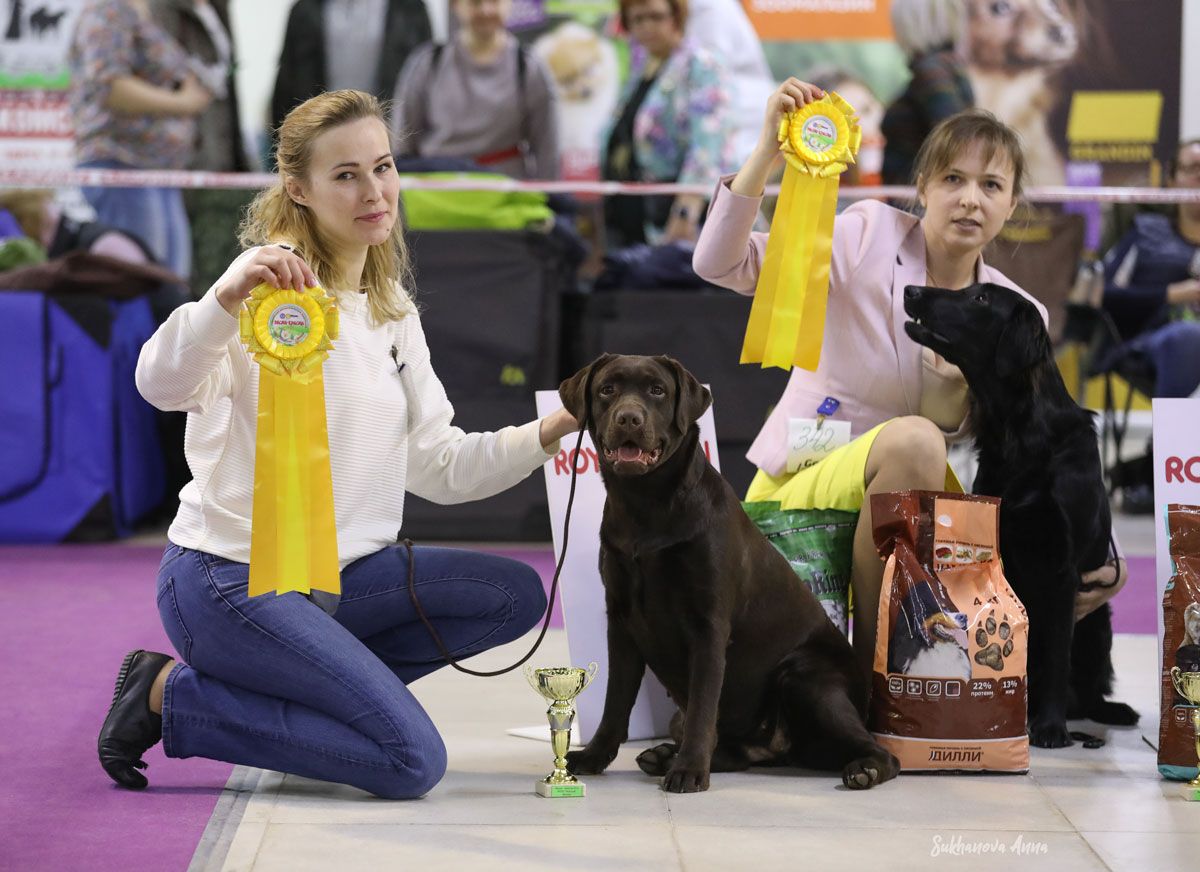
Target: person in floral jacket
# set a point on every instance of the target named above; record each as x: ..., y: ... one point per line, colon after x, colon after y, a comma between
x: 672, y: 124
x: 134, y: 105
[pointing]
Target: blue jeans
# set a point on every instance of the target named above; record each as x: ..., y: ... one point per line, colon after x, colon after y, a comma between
x: 274, y: 682
x: 154, y: 215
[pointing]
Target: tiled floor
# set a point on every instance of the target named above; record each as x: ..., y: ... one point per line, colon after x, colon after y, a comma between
x: 1077, y: 809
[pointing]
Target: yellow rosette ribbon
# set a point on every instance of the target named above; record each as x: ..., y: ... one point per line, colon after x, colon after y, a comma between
x: 787, y: 320
x: 293, y: 537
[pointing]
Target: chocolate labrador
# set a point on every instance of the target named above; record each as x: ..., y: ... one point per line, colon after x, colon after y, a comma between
x: 697, y: 594
x: 1038, y: 452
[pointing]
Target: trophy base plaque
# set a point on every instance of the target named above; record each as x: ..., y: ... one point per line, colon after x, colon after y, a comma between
x: 558, y: 791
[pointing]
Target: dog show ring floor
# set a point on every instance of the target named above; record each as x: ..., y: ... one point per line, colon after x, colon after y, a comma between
x: 1081, y: 809
x: 68, y: 614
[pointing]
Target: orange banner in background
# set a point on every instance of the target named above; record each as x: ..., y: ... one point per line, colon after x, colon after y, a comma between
x: 820, y: 19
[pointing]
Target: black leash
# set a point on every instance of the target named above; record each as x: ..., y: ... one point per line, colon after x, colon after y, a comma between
x: 412, y: 571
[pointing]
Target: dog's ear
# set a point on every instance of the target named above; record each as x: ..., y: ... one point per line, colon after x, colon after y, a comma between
x: 691, y: 397
x: 1024, y: 341
x: 574, y: 391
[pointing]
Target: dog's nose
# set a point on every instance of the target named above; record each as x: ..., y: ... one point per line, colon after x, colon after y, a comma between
x: 912, y: 293
x: 632, y: 418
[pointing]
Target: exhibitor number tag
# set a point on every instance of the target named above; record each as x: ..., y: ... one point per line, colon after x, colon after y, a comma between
x: 809, y: 443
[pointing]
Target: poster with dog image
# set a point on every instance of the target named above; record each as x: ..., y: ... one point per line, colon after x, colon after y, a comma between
x: 574, y: 39
x: 1092, y: 86
x: 35, y: 119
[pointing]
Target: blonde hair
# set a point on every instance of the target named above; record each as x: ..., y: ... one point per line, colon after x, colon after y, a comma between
x: 274, y: 216
x: 28, y: 207
x: 921, y: 26
x: 957, y: 133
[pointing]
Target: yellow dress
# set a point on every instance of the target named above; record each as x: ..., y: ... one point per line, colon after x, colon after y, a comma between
x: 837, y: 481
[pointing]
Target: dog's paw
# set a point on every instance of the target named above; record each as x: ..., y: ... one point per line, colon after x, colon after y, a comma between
x: 590, y: 761
x: 865, y: 772
x: 1116, y: 714
x: 685, y: 779
x: 1049, y: 734
x: 657, y: 761
x: 994, y: 640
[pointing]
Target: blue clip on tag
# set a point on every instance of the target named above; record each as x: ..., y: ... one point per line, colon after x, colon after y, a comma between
x: 828, y: 407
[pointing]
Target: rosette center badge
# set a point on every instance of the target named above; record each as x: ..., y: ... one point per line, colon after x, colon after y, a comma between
x: 288, y: 331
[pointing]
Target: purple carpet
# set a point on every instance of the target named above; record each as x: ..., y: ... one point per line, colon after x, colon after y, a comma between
x: 1136, y: 607
x: 68, y: 614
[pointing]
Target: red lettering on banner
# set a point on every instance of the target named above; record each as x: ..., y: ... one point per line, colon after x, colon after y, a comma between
x: 584, y: 461
x: 587, y: 460
x: 1178, y: 469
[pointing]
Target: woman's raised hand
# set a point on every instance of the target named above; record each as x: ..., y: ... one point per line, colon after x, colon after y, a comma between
x: 277, y: 266
x: 788, y: 97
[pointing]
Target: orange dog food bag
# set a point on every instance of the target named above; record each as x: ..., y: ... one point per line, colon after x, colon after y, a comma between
x: 949, y: 687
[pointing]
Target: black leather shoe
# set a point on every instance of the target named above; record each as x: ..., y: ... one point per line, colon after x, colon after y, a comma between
x: 130, y: 728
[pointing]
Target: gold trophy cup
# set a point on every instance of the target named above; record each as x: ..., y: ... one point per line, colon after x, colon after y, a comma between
x: 1188, y: 685
x: 560, y: 685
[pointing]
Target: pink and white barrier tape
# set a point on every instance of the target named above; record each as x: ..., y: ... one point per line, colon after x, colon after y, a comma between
x: 255, y: 181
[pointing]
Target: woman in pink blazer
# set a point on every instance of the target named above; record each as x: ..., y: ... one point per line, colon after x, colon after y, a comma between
x: 903, y: 402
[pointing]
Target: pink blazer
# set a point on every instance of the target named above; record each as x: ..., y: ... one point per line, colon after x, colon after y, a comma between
x: 868, y: 363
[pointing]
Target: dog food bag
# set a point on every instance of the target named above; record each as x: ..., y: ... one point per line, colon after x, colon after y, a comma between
x: 818, y: 543
x: 1181, y: 643
x: 949, y: 684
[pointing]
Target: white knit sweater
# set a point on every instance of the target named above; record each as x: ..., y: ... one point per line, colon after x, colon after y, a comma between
x: 388, y: 432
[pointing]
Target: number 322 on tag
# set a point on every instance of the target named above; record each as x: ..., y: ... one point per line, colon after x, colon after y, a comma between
x: 809, y: 444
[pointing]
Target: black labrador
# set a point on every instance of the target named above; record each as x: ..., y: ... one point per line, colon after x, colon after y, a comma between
x: 1038, y: 452
x: 696, y: 593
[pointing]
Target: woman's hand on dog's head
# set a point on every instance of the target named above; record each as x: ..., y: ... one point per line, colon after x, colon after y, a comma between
x: 555, y: 426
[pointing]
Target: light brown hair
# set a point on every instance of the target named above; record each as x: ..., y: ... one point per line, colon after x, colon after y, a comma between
x: 679, y: 10
x: 958, y: 132
x: 275, y: 217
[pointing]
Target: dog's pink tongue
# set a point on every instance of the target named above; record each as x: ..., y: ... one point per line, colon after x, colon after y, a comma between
x: 629, y: 452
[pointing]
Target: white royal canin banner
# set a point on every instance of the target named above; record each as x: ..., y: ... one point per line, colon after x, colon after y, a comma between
x: 580, y: 587
x: 1176, y: 480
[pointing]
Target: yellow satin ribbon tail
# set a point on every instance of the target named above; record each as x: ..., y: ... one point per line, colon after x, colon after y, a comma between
x: 293, y: 541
